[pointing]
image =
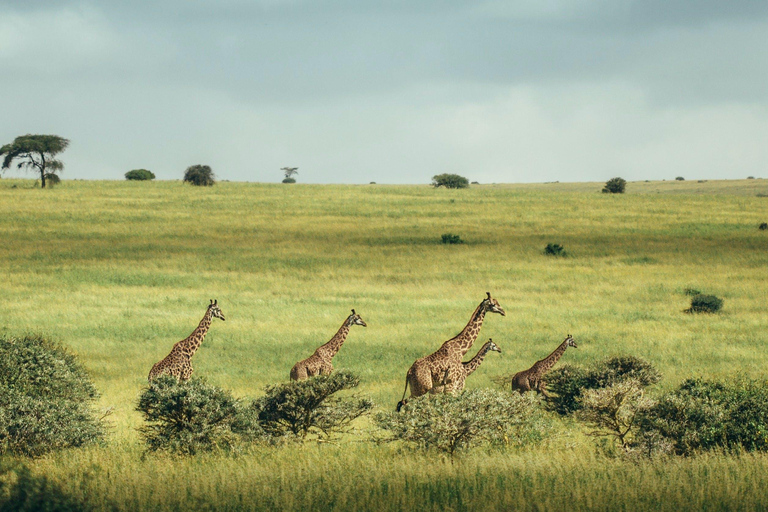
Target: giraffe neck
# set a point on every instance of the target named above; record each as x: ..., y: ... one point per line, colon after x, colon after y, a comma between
x: 334, y: 344
x: 472, y: 365
x: 464, y: 340
x: 194, y: 340
x: 551, y: 359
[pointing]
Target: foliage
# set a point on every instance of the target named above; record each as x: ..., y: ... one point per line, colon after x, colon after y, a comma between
x: 140, y: 175
x: 449, y: 181
x: 290, y: 172
x: 612, y: 411
x: 200, y: 175
x: 37, y: 154
x: 691, y: 292
x: 449, y: 238
x: 680, y: 178
x: 702, y: 303
x: 449, y: 423
x: 46, y: 398
x: 21, y: 491
x: 567, y: 383
x: 615, y: 186
x: 554, y: 250
x: 289, y: 180
x: 763, y: 226
x: 193, y: 416
x: 304, y: 407
x: 705, y: 415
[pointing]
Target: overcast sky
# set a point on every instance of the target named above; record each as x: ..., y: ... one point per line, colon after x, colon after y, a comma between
x: 352, y: 91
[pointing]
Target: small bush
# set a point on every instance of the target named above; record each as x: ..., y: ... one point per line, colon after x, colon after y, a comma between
x: 193, y: 416
x: 702, y: 303
x: 200, y: 175
x: 750, y: 177
x: 554, y: 250
x: 46, y: 398
x: 763, y: 226
x: 567, y: 383
x: 52, y: 179
x: 615, y: 186
x: 449, y: 238
x: 680, y: 178
x: 22, y: 491
x: 301, y: 408
x: 139, y: 175
x: 449, y: 181
x: 449, y: 423
x: 691, y: 292
x: 289, y: 180
x: 704, y: 415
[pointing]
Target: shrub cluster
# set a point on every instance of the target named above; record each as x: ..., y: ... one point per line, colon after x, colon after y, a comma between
x: 449, y: 238
x: 289, y: 180
x: 193, y: 416
x: 705, y: 415
x: 701, y: 303
x: 614, y: 186
x: 22, y: 491
x: 554, y: 250
x: 568, y: 383
x: 200, y: 175
x: 449, y: 181
x: 139, y: 175
x: 449, y: 423
x: 46, y: 398
x: 304, y: 407
x: 763, y: 226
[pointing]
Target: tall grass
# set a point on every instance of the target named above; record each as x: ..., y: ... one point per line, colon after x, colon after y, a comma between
x: 119, y: 271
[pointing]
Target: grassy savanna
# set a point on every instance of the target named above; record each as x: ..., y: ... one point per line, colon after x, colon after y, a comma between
x: 119, y: 271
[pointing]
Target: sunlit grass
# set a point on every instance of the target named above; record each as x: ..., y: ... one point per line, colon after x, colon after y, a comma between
x: 119, y: 271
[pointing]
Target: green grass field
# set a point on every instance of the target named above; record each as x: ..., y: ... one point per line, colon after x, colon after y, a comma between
x: 119, y: 271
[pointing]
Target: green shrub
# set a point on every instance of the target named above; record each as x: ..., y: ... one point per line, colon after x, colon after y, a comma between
x: 705, y: 415
x: 52, y: 179
x: 200, y: 175
x: 554, y: 250
x: 193, y: 416
x: 763, y: 226
x: 702, y: 303
x: 301, y: 408
x: 140, y: 175
x: 449, y: 238
x: 289, y: 180
x: 567, y: 383
x: 449, y: 181
x: 615, y: 186
x: 449, y: 423
x: 46, y: 398
x: 21, y: 491
x: 680, y: 178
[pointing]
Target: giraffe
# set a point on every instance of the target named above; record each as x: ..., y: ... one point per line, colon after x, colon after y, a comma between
x: 444, y: 365
x: 473, y: 364
x: 179, y: 362
x: 533, y: 377
x: 320, y: 362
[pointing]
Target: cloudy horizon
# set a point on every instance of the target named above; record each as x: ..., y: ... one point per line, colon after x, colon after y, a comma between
x: 354, y: 92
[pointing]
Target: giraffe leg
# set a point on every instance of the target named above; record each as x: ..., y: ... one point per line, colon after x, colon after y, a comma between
x: 542, y: 387
x: 453, y: 380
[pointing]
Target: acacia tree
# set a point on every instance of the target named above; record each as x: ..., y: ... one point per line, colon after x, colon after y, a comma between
x: 36, y: 153
x: 289, y: 173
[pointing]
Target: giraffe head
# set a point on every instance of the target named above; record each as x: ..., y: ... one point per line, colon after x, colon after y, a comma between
x: 492, y: 305
x: 571, y: 341
x: 355, y: 319
x: 213, y: 307
x: 493, y: 346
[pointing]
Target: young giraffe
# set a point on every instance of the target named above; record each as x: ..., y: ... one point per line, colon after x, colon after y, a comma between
x: 533, y: 377
x: 179, y: 362
x: 320, y: 362
x: 473, y: 364
x: 444, y: 366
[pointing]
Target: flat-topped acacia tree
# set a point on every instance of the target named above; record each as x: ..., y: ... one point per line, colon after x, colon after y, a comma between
x: 36, y: 153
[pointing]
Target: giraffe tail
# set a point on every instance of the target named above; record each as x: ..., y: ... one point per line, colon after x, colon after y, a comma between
x: 403, y: 401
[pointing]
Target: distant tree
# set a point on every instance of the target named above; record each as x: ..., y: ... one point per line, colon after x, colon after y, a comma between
x: 680, y: 178
x: 289, y: 174
x: 139, y: 175
x: 200, y: 175
x: 614, y: 186
x: 449, y: 181
x: 36, y: 153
